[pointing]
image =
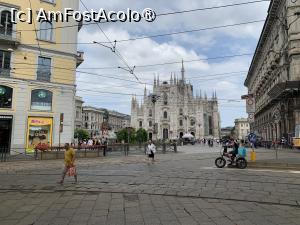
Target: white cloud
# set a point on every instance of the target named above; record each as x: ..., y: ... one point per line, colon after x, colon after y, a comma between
x: 187, y: 46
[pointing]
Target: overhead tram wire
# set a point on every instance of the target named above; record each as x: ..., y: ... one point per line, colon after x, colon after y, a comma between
x: 210, y: 8
x: 131, y: 70
x: 152, y: 65
x: 161, y: 14
x: 163, y: 35
x: 35, y: 30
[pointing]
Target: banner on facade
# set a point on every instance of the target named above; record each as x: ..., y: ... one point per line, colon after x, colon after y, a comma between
x: 250, y: 105
x: 39, y: 132
x: 251, y: 117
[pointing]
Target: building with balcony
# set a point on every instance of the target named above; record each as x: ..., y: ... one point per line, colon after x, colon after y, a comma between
x: 37, y: 76
x: 274, y: 76
x: 98, y: 121
x: 176, y: 112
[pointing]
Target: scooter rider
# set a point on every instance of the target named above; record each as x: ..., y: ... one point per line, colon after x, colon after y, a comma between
x: 235, y: 151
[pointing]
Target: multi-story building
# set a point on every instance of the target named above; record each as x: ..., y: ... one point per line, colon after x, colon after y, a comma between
x: 37, y: 76
x: 274, y: 75
x: 78, y: 112
x: 241, y: 129
x: 176, y: 112
x: 227, y: 132
x: 95, y: 118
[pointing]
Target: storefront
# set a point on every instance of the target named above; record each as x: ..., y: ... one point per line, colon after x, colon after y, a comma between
x: 5, y: 133
x: 39, y: 132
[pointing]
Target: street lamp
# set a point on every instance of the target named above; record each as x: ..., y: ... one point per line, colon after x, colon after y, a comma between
x: 154, y: 99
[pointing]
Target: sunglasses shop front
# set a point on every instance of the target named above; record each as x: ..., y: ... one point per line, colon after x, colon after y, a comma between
x: 39, y: 132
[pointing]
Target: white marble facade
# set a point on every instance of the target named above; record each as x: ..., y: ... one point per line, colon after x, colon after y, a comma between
x: 176, y: 112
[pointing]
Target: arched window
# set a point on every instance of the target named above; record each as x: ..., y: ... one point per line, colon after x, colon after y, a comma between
x: 180, y: 123
x: 46, y: 30
x: 165, y: 115
x: 150, y: 112
x: 6, y: 94
x: 141, y: 124
x: 180, y: 112
x: 192, y: 122
x: 41, y: 100
x: 150, y: 123
x: 165, y: 99
x: 6, y: 25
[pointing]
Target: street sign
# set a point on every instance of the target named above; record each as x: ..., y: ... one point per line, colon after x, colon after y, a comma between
x: 252, y: 137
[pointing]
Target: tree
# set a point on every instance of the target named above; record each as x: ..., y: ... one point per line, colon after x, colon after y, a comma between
x: 81, y: 134
x: 141, y: 135
x: 122, y: 135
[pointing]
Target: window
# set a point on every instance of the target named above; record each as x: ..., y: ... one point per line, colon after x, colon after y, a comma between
x: 5, y: 97
x: 46, y: 31
x: 192, y: 122
x: 165, y: 115
x: 180, y: 112
x: 150, y: 123
x: 141, y: 124
x: 165, y: 99
x: 41, y: 100
x: 4, y: 63
x: 44, y: 69
x: 181, y: 123
x: 6, y: 26
x: 150, y: 112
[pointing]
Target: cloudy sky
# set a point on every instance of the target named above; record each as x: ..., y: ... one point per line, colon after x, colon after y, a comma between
x: 225, y: 75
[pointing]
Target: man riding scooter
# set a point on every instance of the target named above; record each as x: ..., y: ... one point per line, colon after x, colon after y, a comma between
x: 232, y: 154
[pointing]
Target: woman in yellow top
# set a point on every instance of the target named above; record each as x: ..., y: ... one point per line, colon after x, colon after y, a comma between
x: 69, y: 162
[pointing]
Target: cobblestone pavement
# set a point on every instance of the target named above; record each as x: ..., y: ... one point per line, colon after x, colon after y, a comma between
x: 183, y: 188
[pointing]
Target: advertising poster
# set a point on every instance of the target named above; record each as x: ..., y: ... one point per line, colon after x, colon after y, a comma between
x: 39, y: 132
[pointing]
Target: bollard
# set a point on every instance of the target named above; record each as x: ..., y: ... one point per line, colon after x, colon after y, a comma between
x: 253, y: 155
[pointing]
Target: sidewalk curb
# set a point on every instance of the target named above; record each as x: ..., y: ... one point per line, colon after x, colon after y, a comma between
x: 270, y: 165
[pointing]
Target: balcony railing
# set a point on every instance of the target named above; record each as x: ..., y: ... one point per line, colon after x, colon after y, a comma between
x: 80, y: 58
x: 10, y: 37
x: 4, y: 73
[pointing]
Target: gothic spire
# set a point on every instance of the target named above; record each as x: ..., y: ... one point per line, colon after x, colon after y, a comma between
x: 182, y: 71
x: 154, y: 83
x: 171, y: 79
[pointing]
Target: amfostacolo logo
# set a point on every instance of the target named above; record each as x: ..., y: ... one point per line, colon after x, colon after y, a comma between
x: 69, y: 14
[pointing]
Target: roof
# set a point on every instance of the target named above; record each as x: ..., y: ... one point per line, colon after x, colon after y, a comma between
x: 272, y: 14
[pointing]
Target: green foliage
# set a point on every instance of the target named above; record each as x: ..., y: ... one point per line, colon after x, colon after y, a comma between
x: 141, y: 135
x: 81, y: 134
x: 122, y: 135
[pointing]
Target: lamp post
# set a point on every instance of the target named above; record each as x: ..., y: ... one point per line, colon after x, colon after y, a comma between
x: 154, y: 99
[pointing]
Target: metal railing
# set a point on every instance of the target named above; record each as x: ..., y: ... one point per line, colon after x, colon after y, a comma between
x: 10, y: 36
x: 56, y: 152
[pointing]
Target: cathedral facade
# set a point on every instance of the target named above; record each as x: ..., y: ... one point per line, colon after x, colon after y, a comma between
x: 176, y: 111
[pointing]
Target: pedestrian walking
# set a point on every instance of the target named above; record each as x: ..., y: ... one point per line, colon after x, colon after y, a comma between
x: 151, y: 150
x: 69, y: 163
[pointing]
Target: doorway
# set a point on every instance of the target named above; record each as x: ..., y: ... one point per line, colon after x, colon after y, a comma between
x: 5, y: 133
x: 165, y: 134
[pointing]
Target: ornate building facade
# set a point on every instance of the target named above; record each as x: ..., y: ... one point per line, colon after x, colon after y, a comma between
x: 274, y: 76
x: 176, y: 112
